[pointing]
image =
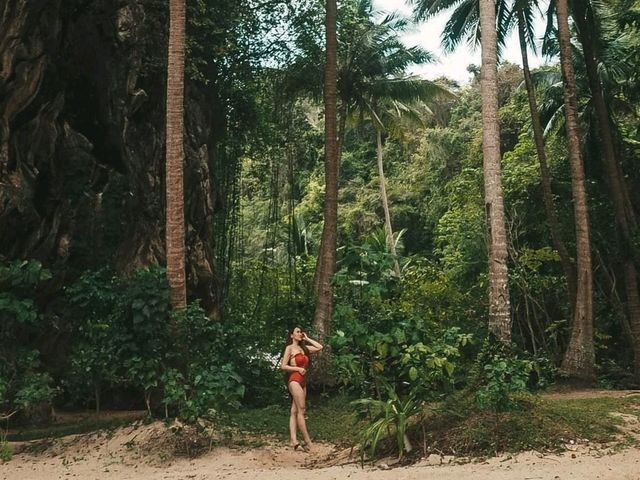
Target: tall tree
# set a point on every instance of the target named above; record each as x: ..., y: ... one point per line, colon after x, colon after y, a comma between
x: 388, y: 228
x: 175, y: 155
x: 579, y: 359
x: 327, y: 255
x: 393, y: 104
x: 589, y: 35
x: 468, y: 19
x: 499, y: 302
x: 523, y: 15
x: 372, y: 57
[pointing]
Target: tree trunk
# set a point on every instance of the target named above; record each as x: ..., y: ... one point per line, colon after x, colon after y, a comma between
x: 623, y: 210
x: 499, y: 302
x: 175, y: 155
x: 327, y: 254
x: 385, y: 205
x: 633, y: 306
x: 342, y: 122
x: 545, y: 178
x: 579, y: 359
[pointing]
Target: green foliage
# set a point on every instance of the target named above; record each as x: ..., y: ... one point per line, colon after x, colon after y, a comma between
x: 384, y: 416
x: 34, y: 389
x: 6, y: 450
x: 122, y: 335
x: 205, y: 379
x: 396, y: 331
x: 128, y: 338
x: 24, y: 385
x: 501, y: 375
x: 504, y: 376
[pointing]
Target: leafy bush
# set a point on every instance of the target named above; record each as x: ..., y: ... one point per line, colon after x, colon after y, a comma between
x: 122, y: 335
x: 502, y: 374
x: 6, y: 450
x: 204, y: 379
x: 383, y: 416
x: 128, y: 338
x: 24, y: 386
x: 400, y: 332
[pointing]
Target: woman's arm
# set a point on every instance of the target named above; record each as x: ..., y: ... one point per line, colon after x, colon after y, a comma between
x: 314, y: 346
x: 284, y: 365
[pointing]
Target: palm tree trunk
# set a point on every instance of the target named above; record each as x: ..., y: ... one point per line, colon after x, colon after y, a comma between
x: 175, y: 155
x: 545, y: 178
x: 342, y: 122
x: 633, y: 307
x: 327, y: 254
x: 499, y: 302
x: 579, y: 359
x: 623, y: 209
x: 385, y: 205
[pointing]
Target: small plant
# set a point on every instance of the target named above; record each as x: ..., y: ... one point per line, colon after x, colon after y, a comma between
x: 6, y: 450
x: 394, y: 413
x: 501, y: 376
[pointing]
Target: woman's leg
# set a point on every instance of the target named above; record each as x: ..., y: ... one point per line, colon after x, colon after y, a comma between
x: 299, y: 395
x: 308, y: 442
x: 293, y: 425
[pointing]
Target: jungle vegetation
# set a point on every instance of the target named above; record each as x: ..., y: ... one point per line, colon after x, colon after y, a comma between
x: 439, y: 237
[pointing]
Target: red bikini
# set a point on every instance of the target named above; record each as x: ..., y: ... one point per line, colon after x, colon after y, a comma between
x: 301, y: 361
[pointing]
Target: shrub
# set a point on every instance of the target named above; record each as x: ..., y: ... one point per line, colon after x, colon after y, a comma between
x: 128, y: 338
x: 385, y: 415
x: 500, y: 374
x: 24, y: 386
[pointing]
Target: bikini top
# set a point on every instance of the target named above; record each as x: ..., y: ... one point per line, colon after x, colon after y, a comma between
x: 301, y: 360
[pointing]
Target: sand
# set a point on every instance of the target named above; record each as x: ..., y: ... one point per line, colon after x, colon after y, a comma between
x: 126, y: 455
x: 147, y: 452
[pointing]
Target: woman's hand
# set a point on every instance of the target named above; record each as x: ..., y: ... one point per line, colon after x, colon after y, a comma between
x: 302, y: 371
x: 313, y: 346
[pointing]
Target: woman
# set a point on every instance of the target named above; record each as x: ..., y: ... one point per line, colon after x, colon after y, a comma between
x: 296, y: 361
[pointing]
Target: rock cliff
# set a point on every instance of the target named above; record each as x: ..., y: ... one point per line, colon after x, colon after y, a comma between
x: 82, y: 85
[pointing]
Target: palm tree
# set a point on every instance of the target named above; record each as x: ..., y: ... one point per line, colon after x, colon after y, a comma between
x: 390, y: 103
x: 327, y: 256
x: 524, y: 16
x: 175, y: 155
x: 467, y: 20
x: 371, y: 56
x: 589, y: 35
x: 579, y: 359
x: 499, y: 302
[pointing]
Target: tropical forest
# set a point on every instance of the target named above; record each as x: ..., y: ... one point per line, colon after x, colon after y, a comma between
x: 280, y: 239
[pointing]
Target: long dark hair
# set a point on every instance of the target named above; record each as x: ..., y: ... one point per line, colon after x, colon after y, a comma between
x: 302, y: 343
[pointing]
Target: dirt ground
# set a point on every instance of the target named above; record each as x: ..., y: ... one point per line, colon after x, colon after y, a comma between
x: 142, y: 452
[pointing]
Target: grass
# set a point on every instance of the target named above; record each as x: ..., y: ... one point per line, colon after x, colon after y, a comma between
x: 540, y: 424
x: 6, y: 451
x: 85, y: 425
x: 330, y: 420
x: 456, y: 428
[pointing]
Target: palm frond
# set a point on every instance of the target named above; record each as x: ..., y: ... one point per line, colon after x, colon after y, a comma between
x: 407, y: 89
x: 550, y: 47
x: 463, y: 25
x: 424, y: 9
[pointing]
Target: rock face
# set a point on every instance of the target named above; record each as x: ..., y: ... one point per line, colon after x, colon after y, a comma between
x: 82, y: 87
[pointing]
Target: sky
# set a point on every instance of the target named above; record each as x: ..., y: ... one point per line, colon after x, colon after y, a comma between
x: 454, y: 65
